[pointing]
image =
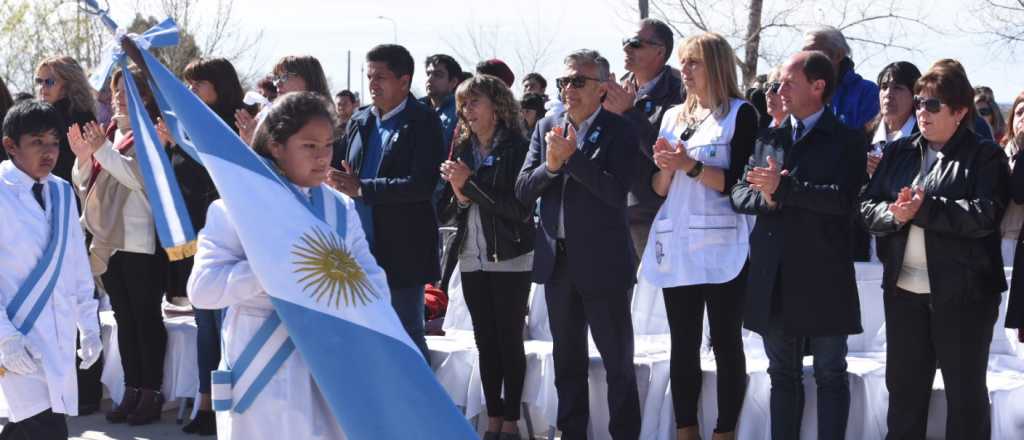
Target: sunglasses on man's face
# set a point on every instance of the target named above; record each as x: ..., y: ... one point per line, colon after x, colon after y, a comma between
x: 985, y: 111
x: 46, y: 82
x: 576, y: 81
x: 931, y: 105
x: 637, y: 42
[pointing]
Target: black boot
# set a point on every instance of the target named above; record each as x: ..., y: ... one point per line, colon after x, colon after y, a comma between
x: 129, y: 401
x: 151, y: 404
x: 205, y: 423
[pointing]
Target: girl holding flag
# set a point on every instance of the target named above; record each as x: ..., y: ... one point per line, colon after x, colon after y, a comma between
x: 296, y: 138
x: 124, y: 250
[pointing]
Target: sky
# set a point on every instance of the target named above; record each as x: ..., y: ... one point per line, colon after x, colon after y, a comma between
x: 328, y: 30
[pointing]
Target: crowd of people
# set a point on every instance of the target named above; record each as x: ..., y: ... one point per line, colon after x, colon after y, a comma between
x: 750, y: 204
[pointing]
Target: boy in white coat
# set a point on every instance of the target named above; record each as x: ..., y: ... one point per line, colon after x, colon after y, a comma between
x: 46, y: 287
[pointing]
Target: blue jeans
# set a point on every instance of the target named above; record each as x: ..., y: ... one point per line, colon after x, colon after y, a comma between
x: 408, y: 304
x: 208, y: 323
x: 785, y: 368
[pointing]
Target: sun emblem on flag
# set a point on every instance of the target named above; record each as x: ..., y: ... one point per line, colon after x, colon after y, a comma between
x: 330, y: 270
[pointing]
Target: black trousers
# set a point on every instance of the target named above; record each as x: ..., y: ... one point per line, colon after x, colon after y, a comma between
x: 497, y: 304
x: 46, y: 425
x: 570, y: 312
x: 684, y: 306
x: 956, y: 336
x: 90, y: 389
x: 135, y: 284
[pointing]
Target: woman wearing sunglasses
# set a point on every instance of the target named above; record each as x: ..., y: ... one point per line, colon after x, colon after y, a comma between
x: 301, y: 73
x: 934, y: 204
x: 61, y: 82
x: 697, y: 249
x: 773, y: 102
x: 988, y: 109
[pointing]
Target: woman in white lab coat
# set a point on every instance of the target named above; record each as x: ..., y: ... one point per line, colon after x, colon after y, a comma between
x: 297, y: 138
x: 697, y: 250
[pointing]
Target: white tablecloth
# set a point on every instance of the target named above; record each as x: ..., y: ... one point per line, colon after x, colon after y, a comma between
x: 181, y: 372
x: 455, y: 361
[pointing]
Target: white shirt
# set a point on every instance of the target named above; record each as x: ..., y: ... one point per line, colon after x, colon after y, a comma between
x: 24, y: 234
x: 883, y: 135
x: 914, y: 272
x: 394, y: 112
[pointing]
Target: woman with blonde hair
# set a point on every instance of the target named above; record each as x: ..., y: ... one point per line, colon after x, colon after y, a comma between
x: 697, y: 250
x: 494, y: 241
x: 61, y: 82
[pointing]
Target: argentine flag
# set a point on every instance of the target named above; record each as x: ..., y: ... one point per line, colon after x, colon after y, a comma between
x: 371, y: 374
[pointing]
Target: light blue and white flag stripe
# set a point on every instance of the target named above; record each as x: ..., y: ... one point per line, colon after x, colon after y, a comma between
x: 35, y: 292
x: 173, y: 224
x: 371, y: 374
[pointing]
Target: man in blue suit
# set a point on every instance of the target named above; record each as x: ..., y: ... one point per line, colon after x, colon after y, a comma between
x: 393, y: 149
x: 580, y: 165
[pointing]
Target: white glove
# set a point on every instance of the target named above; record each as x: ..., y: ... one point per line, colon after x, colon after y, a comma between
x: 15, y: 356
x: 92, y: 346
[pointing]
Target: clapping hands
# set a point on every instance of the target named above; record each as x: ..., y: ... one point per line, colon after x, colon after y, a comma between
x: 85, y: 141
x: 907, y: 204
x: 559, y: 147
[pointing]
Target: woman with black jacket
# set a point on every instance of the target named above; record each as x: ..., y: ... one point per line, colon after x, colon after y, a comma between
x: 494, y: 242
x: 935, y: 203
x: 61, y: 82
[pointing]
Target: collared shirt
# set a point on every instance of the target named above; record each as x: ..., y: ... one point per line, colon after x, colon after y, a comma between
x: 581, y: 138
x: 883, y: 136
x: 383, y: 129
x: 394, y: 112
x: 648, y: 87
x: 446, y: 114
x: 809, y: 123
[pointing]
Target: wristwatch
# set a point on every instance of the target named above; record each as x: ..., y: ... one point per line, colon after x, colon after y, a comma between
x: 698, y: 168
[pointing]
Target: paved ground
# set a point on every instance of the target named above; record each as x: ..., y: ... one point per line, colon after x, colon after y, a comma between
x: 95, y: 427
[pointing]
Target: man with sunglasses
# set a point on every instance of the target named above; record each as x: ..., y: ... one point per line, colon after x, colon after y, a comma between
x: 802, y: 183
x: 580, y: 166
x: 648, y: 89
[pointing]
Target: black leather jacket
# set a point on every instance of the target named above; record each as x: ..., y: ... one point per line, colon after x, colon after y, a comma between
x: 507, y: 223
x: 965, y: 198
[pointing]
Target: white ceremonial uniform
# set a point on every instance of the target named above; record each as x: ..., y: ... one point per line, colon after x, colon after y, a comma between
x: 291, y: 405
x: 24, y: 234
x: 696, y: 237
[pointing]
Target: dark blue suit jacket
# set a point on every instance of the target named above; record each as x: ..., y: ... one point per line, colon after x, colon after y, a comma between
x: 598, y: 244
x: 406, y: 241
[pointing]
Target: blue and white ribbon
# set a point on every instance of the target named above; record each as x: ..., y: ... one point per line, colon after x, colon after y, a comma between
x: 173, y: 224
x: 35, y: 292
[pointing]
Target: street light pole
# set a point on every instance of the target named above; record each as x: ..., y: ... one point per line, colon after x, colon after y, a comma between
x: 643, y: 9
x: 394, y: 26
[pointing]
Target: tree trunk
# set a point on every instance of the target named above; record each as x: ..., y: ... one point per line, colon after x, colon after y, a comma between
x: 751, y: 48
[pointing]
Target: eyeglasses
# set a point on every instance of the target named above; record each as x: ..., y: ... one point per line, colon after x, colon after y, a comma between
x: 985, y: 111
x: 931, y: 105
x: 576, y: 81
x: 772, y: 88
x: 637, y: 42
x: 283, y: 78
x: 46, y: 82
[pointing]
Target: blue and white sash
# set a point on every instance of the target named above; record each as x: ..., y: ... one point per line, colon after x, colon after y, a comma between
x: 235, y: 388
x: 35, y: 292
